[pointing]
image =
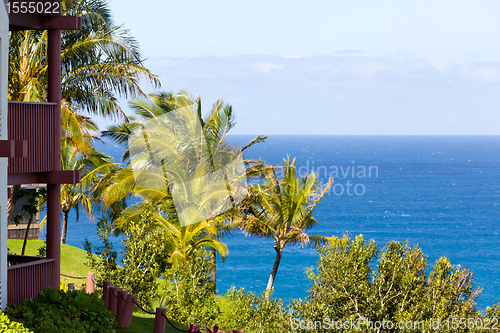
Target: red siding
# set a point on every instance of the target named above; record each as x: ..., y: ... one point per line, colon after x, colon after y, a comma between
x: 33, y: 122
x: 27, y: 276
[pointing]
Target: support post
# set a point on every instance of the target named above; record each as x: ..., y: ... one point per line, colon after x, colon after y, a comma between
x: 90, y: 283
x: 105, y: 292
x: 54, y: 190
x: 122, y: 298
x: 160, y: 321
x: 128, y: 310
x: 113, y: 300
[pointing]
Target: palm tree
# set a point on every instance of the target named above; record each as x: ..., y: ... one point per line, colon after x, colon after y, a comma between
x: 214, y: 128
x: 185, y: 241
x: 282, y: 210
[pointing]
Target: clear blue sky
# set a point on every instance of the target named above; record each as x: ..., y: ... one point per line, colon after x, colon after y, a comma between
x: 330, y: 67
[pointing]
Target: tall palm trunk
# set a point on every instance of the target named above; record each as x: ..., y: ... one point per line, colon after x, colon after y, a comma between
x: 65, y: 227
x: 26, y: 235
x: 12, y: 201
x: 270, y: 283
x: 214, y: 268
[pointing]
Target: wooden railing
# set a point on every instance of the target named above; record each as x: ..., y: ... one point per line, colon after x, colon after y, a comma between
x: 27, y: 276
x: 33, y: 122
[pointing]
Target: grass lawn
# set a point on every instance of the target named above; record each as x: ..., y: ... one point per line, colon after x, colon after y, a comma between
x: 72, y: 259
x: 73, y: 263
x: 144, y: 323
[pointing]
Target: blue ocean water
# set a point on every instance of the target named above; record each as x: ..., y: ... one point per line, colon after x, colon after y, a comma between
x: 442, y: 192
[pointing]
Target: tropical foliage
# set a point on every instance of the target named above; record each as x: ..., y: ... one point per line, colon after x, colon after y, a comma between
x: 62, y: 312
x: 356, y: 281
x: 9, y: 326
x: 188, y: 292
x: 253, y: 313
x: 102, y: 258
x: 173, y: 121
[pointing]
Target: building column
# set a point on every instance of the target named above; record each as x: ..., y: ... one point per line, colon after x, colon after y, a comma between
x: 54, y: 190
x: 4, y: 65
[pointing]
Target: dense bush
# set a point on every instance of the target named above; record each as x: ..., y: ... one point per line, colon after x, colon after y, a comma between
x: 65, y: 312
x: 251, y: 313
x: 102, y: 258
x: 188, y: 292
x: 356, y: 281
x: 9, y: 326
x: 189, y: 298
x: 145, y: 257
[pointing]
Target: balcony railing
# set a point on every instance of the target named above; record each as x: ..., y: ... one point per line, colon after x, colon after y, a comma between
x: 27, y: 276
x: 33, y: 122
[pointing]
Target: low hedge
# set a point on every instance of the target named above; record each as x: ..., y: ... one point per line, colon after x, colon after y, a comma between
x: 65, y: 312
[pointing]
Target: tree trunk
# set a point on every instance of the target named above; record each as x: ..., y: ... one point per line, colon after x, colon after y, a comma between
x: 270, y: 283
x: 214, y: 268
x: 26, y: 235
x: 65, y: 228
x: 12, y: 201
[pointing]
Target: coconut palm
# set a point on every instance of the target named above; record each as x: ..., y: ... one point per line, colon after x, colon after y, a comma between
x: 282, y: 210
x: 156, y: 111
x: 185, y: 241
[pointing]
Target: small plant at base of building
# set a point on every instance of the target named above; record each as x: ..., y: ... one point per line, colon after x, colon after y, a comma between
x: 57, y: 311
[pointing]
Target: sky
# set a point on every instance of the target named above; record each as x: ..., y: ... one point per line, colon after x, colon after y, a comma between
x: 329, y: 67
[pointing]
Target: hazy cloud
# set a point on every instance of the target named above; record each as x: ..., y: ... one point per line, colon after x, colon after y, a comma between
x: 344, y: 94
x: 267, y: 67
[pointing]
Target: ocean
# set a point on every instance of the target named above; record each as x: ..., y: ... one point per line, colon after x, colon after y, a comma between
x: 441, y: 192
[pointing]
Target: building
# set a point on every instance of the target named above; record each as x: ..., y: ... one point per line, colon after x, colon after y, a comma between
x: 30, y: 150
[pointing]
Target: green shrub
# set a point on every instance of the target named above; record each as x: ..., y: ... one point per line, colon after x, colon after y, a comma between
x: 8, y: 326
x: 102, y: 259
x: 188, y: 292
x: 145, y: 257
x: 251, y: 313
x: 357, y: 281
x: 65, y: 312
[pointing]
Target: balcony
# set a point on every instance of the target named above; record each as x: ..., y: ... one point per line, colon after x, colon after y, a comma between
x: 27, y: 276
x: 35, y: 123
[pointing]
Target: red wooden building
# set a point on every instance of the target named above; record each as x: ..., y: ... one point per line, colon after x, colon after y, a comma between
x: 30, y: 148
